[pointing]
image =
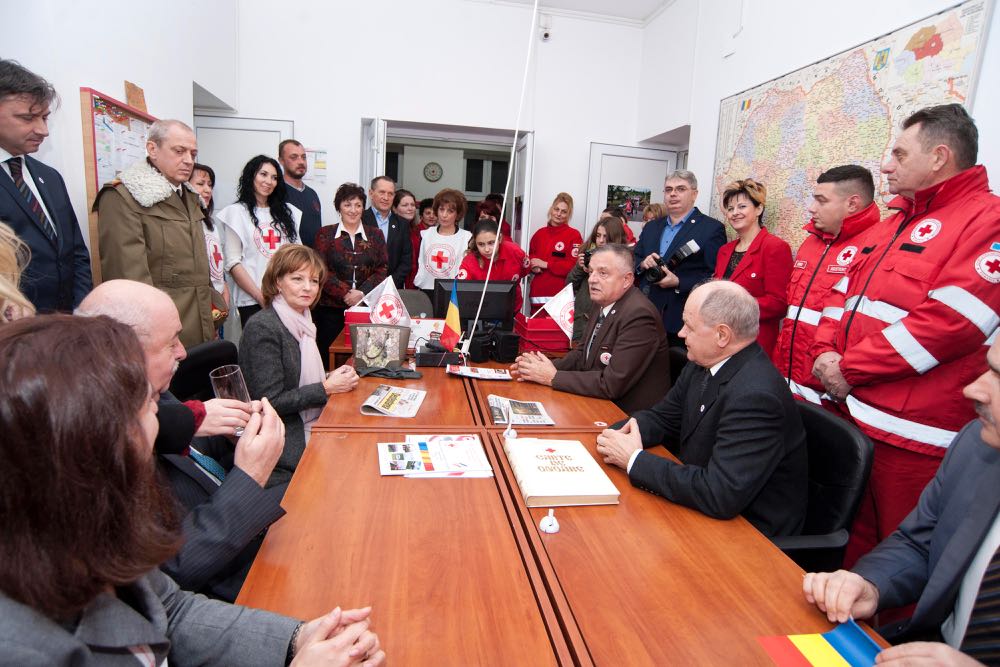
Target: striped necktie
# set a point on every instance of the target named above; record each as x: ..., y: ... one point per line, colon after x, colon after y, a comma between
x: 593, y: 336
x: 17, y: 174
x: 982, y: 636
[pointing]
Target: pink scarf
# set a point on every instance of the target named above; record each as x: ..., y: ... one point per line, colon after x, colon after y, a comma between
x: 310, y: 362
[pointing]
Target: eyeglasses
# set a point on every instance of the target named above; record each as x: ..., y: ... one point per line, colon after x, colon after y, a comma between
x: 680, y: 189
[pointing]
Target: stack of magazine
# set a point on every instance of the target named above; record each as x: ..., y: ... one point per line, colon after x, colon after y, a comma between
x: 521, y: 413
x: 446, y: 455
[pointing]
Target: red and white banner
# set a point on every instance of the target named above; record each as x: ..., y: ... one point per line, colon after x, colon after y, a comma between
x: 387, y: 306
x: 560, y: 308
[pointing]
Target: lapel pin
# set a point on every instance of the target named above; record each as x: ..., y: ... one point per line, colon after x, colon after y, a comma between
x: 702, y: 409
x: 41, y: 180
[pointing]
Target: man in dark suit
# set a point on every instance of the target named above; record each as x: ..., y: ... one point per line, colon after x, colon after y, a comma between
x: 943, y: 556
x: 219, y: 489
x: 623, y: 354
x: 664, y: 237
x: 730, y: 419
x: 395, y: 231
x: 33, y: 197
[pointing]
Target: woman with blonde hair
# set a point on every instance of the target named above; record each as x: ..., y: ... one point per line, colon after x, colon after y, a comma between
x: 14, y: 256
x: 758, y: 261
x: 553, y: 251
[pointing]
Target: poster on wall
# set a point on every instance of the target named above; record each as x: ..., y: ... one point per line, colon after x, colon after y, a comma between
x: 845, y: 109
x: 315, y: 165
x: 630, y: 199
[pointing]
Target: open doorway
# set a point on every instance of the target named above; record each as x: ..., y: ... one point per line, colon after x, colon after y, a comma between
x: 424, y: 158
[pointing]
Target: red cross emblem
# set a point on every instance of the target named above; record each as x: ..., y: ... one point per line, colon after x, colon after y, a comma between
x: 988, y: 266
x: 216, y: 255
x: 440, y: 259
x: 845, y: 257
x: 570, y: 316
x: 272, y: 239
x: 925, y: 231
x: 386, y: 310
x: 550, y: 450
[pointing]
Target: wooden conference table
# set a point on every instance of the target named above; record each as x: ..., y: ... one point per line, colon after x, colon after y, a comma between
x: 458, y: 573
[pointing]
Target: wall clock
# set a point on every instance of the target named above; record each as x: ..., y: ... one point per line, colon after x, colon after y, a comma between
x: 433, y: 172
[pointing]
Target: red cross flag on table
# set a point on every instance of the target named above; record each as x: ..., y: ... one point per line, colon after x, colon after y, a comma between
x: 560, y: 308
x: 387, y: 307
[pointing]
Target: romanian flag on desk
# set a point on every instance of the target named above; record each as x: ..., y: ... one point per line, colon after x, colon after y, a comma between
x: 452, y: 325
x: 845, y: 646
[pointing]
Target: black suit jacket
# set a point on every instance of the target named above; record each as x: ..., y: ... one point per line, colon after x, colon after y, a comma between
x: 741, y: 444
x: 710, y: 236
x: 629, y: 362
x: 397, y: 243
x: 58, y: 275
x: 223, y: 524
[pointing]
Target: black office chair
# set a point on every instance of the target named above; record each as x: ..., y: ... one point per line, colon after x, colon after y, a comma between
x: 191, y: 381
x: 417, y: 303
x: 678, y: 359
x: 840, y: 460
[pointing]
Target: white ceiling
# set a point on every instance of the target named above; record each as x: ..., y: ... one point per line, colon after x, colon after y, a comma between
x: 632, y: 11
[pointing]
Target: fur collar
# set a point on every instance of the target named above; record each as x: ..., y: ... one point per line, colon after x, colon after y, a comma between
x: 148, y: 186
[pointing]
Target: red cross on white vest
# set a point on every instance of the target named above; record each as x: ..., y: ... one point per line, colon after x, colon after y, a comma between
x: 439, y: 258
x: 272, y: 239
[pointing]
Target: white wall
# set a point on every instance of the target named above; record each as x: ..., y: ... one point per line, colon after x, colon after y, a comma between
x: 161, y: 48
x: 778, y: 36
x: 441, y: 61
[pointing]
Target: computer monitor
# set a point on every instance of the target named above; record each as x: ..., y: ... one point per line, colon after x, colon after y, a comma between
x: 498, y: 306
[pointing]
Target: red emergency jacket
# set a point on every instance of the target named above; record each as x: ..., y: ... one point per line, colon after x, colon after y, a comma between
x: 510, y: 264
x: 559, y: 245
x: 820, y: 262
x: 920, y: 307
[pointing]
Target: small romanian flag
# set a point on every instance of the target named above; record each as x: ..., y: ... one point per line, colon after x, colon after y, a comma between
x: 452, y: 325
x: 745, y: 104
x: 845, y: 646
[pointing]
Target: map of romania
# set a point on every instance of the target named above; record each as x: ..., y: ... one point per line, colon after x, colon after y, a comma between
x: 843, y: 110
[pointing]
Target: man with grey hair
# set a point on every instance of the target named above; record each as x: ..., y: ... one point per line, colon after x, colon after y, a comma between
x: 150, y: 225
x: 33, y: 197
x: 219, y: 488
x: 730, y: 419
x: 677, y: 251
x: 623, y: 356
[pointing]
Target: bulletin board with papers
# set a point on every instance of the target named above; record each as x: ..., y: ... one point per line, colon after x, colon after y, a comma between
x: 114, y: 137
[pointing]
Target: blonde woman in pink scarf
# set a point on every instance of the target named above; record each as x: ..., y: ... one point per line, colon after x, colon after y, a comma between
x: 278, y: 352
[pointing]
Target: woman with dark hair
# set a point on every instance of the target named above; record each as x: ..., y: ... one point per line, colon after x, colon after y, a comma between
x: 356, y: 260
x: 426, y: 220
x: 509, y: 261
x: 404, y: 205
x: 259, y: 223
x: 85, y: 522
x: 202, y: 181
x: 758, y: 261
x: 553, y: 251
x: 488, y: 209
x: 619, y: 213
x: 279, y: 355
x: 607, y: 230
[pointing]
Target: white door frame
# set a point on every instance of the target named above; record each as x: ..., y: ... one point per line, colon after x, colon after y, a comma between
x: 597, y: 155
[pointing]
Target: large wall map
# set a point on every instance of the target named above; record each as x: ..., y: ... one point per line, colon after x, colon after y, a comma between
x: 844, y: 110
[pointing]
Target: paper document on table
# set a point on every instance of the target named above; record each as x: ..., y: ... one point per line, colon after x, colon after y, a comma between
x: 479, y: 373
x: 521, y: 412
x: 435, y: 456
x: 393, y: 401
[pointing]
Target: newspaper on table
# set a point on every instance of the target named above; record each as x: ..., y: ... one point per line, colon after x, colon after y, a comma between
x: 479, y: 373
x: 393, y: 401
x: 447, y: 455
x: 521, y: 412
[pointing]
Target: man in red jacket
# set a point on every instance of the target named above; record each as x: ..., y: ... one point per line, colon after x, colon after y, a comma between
x: 920, y: 309
x: 842, y: 209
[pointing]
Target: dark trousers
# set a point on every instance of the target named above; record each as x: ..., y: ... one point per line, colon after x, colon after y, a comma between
x: 246, y: 312
x: 329, y: 321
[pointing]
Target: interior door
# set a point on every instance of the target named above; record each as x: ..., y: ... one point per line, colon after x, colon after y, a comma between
x: 520, y: 206
x: 226, y: 144
x: 372, y: 150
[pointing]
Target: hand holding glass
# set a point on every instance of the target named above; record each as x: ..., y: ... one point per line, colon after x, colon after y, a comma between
x: 228, y: 382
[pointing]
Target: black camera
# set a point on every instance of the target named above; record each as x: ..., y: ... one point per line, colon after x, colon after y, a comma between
x: 655, y: 274
x: 586, y: 257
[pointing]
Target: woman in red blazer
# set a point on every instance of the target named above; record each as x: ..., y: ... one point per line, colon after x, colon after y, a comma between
x: 758, y: 261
